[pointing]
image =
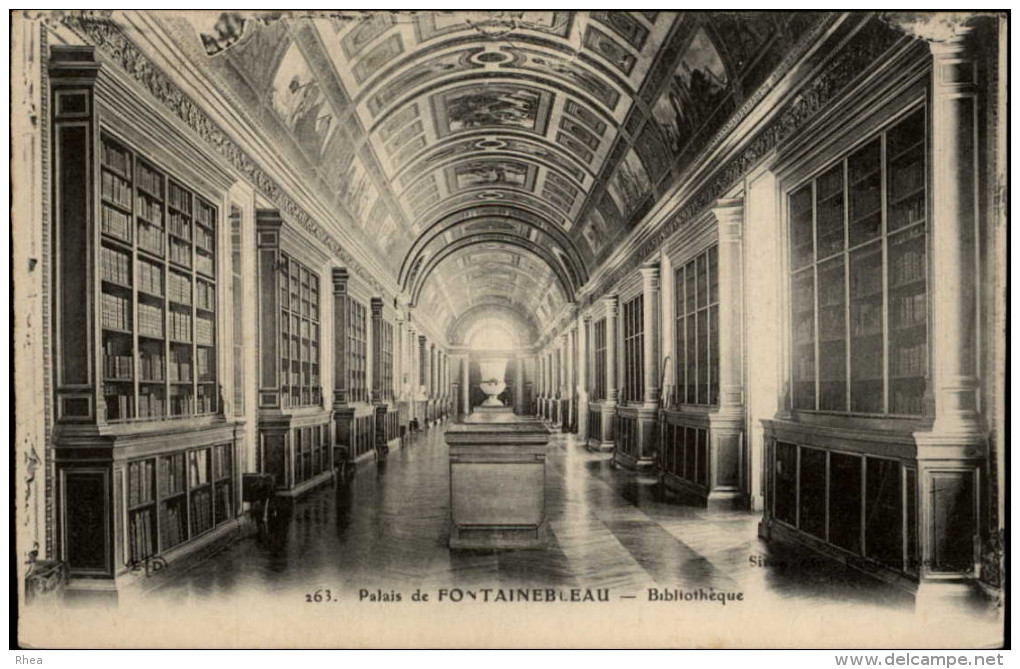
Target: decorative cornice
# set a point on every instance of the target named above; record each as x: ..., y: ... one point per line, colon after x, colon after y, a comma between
x: 849, y: 63
x: 107, y: 37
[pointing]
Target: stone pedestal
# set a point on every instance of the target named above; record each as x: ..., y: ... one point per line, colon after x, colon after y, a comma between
x: 497, y: 482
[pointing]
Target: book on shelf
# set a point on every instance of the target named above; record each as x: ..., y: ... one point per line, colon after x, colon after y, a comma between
x: 910, y: 310
x: 909, y: 211
x: 118, y: 405
x: 116, y: 312
x: 180, y: 198
x: 150, y: 406
x: 151, y: 366
x: 180, y: 225
x: 142, y: 534
x: 205, y: 364
x: 204, y: 264
x: 117, y: 364
x: 116, y: 223
x: 180, y: 365
x: 908, y: 267
x: 150, y: 238
x: 205, y: 214
x: 116, y: 266
x: 171, y: 474
x: 182, y: 404
x: 204, y: 239
x: 201, y: 507
x: 180, y: 252
x: 206, y: 402
x: 910, y: 360
x: 150, y: 320
x: 116, y: 157
x: 150, y: 210
x: 179, y: 288
x: 172, y: 529
x: 205, y: 296
x: 149, y: 180
x: 116, y: 189
x: 907, y: 179
x: 150, y: 278
x: 180, y: 326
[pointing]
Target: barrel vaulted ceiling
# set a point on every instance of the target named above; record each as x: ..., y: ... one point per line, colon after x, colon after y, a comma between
x: 490, y: 159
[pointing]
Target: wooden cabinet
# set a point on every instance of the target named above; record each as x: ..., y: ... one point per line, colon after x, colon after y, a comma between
x: 145, y: 459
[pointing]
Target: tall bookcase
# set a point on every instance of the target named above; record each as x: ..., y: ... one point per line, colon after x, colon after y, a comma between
x: 136, y: 306
x: 293, y: 421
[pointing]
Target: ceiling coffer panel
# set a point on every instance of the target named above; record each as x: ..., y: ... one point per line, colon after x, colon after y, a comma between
x: 541, y: 135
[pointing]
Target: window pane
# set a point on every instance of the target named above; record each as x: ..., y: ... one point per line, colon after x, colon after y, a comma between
x: 802, y: 250
x: 830, y: 212
x: 832, y: 335
x: 803, y: 309
x: 906, y: 180
x: 865, y: 167
x: 866, y: 329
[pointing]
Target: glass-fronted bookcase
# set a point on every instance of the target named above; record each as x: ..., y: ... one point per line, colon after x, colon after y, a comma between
x: 145, y: 459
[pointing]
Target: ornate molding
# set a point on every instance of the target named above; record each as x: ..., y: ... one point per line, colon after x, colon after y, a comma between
x: 101, y: 32
x: 847, y: 65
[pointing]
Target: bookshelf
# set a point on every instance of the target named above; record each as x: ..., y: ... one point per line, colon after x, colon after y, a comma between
x: 356, y: 351
x: 158, y: 301
x: 697, y: 329
x: 599, y: 387
x: 633, y: 350
x: 859, y: 290
x: 170, y: 498
x: 300, y: 344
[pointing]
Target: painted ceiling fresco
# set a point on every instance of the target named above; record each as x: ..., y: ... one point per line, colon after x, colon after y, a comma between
x: 491, y: 159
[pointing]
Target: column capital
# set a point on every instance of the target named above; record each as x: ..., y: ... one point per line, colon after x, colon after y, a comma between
x: 612, y: 304
x: 942, y: 30
x: 421, y: 340
x: 76, y: 64
x: 729, y: 214
x: 650, y: 274
x: 340, y: 278
x: 377, y: 307
x: 267, y: 227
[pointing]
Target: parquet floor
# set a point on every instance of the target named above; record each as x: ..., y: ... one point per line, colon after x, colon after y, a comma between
x: 387, y: 529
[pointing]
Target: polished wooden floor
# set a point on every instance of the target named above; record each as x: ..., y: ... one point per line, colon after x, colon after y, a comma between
x: 387, y: 528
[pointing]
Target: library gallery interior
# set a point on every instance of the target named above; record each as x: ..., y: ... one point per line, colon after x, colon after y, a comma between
x: 745, y: 270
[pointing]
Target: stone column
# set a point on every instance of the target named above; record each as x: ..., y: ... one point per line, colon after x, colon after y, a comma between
x: 377, y: 346
x: 612, y: 305
x: 582, y: 377
x: 571, y: 378
x: 465, y: 383
x: 726, y: 438
x: 650, y: 325
x: 519, y: 386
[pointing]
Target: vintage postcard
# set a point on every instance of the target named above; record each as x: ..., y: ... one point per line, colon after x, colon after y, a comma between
x: 510, y: 328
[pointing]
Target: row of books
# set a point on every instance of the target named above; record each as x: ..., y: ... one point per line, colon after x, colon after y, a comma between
x: 171, y: 474
x: 205, y: 264
x: 906, y: 402
x: 116, y: 223
x: 151, y: 406
x: 908, y: 267
x: 180, y: 225
x: 198, y: 468
x: 116, y: 157
x: 866, y: 319
x: 907, y: 212
x: 180, y: 198
x: 118, y: 366
x: 119, y: 405
x: 150, y: 210
x: 205, y: 364
x: 909, y: 360
x: 116, y: 189
x: 201, y: 512
x: 180, y: 326
x: 150, y: 238
x: 865, y: 281
x: 179, y: 288
x: 187, y: 405
x: 204, y: 331
x: 180, y: 365
x: 909, y: 310
x: 142, y: 534
x: 221, y: 461
x: 206, y: 215
x: 149, y: 180
x: 173, y: 527
x: 150, y: 278
x: 151, y: 367
x: 150, y: 320
x: 115, y: 266
x: 205, y: 296
x: 906, y: 179
x: 180, y: 252
x: 204, y: 239
x: 141, y: 482
x: 116, y: 312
